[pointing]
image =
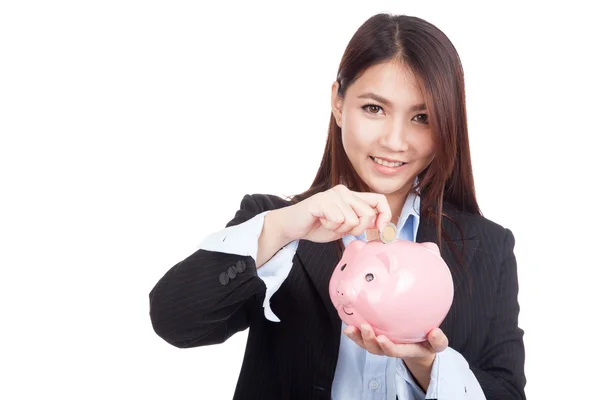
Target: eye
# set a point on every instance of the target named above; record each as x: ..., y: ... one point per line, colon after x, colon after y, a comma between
x: 369, y: 277
x: 343, y: 267
x: 372, y: 108
x: 422, y: 118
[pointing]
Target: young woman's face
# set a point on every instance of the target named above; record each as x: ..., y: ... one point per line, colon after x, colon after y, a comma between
x: 385, y: 130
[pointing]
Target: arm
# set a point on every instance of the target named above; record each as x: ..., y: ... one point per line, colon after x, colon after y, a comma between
x: 500, y: 369
x: 498, y: 374
x: 216, y: 291
x: 261, y: 239
x: 449, y: 378
x: 252, y: 232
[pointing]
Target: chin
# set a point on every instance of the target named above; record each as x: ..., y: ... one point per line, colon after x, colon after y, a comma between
x: 387, y: 187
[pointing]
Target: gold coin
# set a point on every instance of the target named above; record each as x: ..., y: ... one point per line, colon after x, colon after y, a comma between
x: 372, y: 234
x: 388, y: 234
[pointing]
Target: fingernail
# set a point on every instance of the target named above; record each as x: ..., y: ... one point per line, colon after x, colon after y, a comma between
x: 364, y: 328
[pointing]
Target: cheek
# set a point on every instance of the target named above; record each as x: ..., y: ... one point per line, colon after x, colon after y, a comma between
x: 351, y: 143
x: 425, y: 146
x: 357, y: 134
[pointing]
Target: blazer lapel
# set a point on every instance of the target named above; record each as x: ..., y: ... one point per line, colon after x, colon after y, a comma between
x: 319, y: 261
x: 459, y: 251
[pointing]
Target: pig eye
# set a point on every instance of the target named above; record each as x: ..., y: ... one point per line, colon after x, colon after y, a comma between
x: 343, y: 267
x: 369, y: 277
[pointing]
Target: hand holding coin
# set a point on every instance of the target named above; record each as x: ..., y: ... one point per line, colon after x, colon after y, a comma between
x: 387, y: 235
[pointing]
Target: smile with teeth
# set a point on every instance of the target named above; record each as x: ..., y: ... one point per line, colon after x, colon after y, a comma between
x: 387, y: 163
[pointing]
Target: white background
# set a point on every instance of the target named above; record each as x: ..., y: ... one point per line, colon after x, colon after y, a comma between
x: 132, y: 129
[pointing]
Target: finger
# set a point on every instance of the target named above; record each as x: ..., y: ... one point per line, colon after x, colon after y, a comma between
x: 389, y: 349
x: 408, y: 350
x: 354, y: 334
x: 366, y: 214
x: 363, y: 225
x: 357, y: 214
x: 350, y: 218
x: 370, y: 340
x: 336, y: 199
x: 330, y: 216
x: 381, y: 206
x: 438, y: 340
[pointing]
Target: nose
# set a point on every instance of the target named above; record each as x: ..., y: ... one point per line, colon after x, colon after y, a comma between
x: 346, y: 293
x: 396, y: 136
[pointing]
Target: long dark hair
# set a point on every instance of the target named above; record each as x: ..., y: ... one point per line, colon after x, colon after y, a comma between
x: 428, y: 52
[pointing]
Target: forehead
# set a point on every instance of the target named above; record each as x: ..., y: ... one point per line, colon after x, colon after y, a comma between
x: 393, y: 80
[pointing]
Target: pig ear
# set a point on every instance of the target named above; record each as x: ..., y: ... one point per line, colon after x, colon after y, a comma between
x: 355, y: 245
x: 388, y: 263
x: 431, y: 247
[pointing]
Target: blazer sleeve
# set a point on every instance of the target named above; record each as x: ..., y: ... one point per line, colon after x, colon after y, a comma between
x: 207, y: 297
x: 500, y: 369
x: 242, y: 239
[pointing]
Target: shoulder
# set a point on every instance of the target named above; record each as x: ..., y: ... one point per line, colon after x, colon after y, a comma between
x: 476, y: 226
x: 492, y: 245
x: 264, y: 201
x: 252, y: 205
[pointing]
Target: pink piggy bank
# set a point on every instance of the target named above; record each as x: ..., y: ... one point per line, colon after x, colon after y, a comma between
x: 402, y: 289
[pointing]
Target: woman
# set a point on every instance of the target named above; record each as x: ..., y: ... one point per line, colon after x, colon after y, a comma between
x: 397, y: 150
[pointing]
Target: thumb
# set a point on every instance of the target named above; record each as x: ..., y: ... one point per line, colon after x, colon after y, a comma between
x: 438, y: 340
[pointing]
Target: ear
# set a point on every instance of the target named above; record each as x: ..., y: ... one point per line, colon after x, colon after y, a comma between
x: 336, y: 103
x: 388, y: 263
x: 354, y: 245
x: 431, y: 247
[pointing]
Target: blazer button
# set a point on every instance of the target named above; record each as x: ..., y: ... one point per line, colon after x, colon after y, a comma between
x: 240, y: 266
x: 223, y: 278
x: 231, y: 272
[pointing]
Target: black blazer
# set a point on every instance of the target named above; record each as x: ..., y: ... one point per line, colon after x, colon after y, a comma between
x: 209, y: 296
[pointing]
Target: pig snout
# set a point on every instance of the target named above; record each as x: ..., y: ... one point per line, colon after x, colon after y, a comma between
x: 346, y: 293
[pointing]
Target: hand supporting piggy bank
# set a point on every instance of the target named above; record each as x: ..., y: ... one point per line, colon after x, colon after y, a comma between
x: 402, y: 289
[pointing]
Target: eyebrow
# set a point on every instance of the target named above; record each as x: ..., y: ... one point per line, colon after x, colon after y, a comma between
x: 383, y: 100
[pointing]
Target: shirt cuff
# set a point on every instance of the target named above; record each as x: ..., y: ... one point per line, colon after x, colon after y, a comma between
x: 274, y: 272
x: 242, y: 239
x: 450, y: 379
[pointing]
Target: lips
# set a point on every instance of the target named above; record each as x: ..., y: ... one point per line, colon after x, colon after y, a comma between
x: 388, y: 162
x: 347, y: 313
x: 387, y: 168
